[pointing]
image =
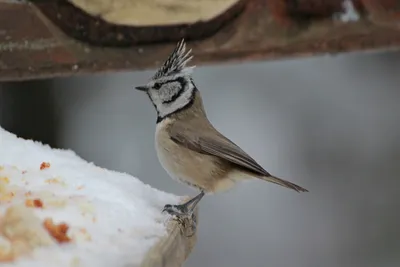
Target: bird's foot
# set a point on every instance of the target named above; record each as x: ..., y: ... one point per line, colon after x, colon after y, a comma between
x: 184, y: 216
x: 180, y: 211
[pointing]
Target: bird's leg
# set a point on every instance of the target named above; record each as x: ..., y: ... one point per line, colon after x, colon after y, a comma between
x: 185, y: 209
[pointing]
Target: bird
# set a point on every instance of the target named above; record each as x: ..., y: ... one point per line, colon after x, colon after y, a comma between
x: 190, y: 149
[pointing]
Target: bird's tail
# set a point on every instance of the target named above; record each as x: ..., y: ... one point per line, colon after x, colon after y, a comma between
x: 283, y: 183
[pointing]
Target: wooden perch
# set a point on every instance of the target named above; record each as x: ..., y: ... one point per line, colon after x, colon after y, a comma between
x: 173, y: 250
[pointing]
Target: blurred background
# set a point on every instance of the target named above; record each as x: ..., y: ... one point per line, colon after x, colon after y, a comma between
x: 330, y: 124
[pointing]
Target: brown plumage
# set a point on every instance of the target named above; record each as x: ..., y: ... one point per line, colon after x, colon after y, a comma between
x: 194, y: 152
x: 189, y: 148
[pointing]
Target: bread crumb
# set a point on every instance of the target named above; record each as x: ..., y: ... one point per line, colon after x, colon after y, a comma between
x: 34, y: 203
x: 44, y: 165
x: 58, y: 232
x: 21, y: 225
x: 38, y: 203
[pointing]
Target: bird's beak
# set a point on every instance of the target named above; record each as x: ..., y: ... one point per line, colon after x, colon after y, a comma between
x: 141, y: 88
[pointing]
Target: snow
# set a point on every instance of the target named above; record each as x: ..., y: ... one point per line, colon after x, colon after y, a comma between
x: 113, y: 218
x: 350, y: 13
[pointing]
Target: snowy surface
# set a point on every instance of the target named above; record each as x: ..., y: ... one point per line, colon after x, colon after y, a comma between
x: 113, y: 218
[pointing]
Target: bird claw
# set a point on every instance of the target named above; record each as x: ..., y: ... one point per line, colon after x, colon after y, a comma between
x: 179, y: 214
x: 176, y: 210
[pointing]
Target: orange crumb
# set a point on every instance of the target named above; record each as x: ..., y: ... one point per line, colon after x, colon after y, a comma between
x: 34, y: 203
x: 27, y: 194
x: 80, y: 187
x: 5, y: 180
x: 38, y: 203
x: 58, y: 232
x: 44, y: 165
x: 94, y: 219
x: 29, y: 203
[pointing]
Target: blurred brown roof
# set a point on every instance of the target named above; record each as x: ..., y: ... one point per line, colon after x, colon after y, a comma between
x: 33, y: 45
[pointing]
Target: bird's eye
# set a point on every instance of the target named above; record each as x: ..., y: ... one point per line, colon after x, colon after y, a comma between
x: 157, y: 86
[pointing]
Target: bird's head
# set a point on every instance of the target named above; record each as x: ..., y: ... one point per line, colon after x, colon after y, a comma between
x: 171, y: 88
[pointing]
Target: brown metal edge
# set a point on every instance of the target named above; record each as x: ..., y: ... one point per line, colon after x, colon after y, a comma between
x: 226, y: 46
x: 312, y: 49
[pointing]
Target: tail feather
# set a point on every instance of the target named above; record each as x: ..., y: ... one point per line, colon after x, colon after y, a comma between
x: 283, y: 183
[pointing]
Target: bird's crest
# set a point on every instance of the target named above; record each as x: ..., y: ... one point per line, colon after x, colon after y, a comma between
x: 176, y: 61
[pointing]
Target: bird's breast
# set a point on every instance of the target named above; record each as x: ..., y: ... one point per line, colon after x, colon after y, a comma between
x: 190, y: 167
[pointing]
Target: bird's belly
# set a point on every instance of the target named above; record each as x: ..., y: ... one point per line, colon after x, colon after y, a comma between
x: 188, y: 167
x: 201, y: 171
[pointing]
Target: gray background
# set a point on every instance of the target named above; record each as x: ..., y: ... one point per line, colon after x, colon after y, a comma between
x: 330, y: 124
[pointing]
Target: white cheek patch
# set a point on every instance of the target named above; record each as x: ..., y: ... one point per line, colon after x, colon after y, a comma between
x: 169, y: 91
x: 169, y: 108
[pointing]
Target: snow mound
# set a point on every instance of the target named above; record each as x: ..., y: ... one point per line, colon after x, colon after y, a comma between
x: 57, y: 209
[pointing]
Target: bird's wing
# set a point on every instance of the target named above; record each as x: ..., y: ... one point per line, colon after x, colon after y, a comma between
x: 212, y: 142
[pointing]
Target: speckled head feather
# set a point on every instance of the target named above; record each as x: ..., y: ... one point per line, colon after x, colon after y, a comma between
x: 176, y: 62
x: 171, y: 89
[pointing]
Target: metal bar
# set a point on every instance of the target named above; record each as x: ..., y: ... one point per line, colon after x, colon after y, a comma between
x: 32, y: 47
